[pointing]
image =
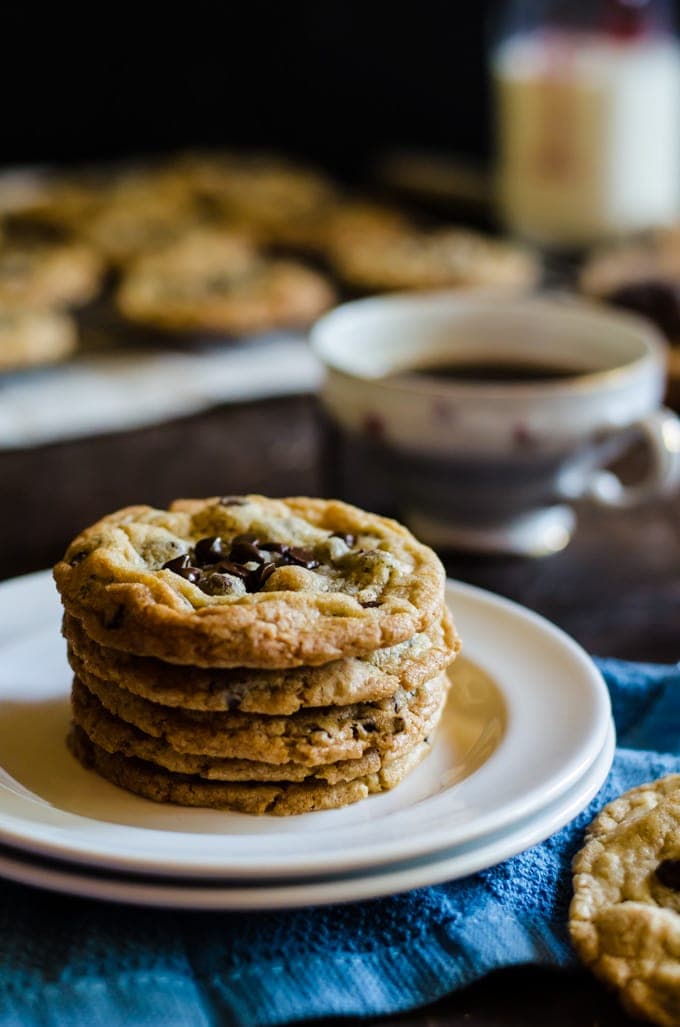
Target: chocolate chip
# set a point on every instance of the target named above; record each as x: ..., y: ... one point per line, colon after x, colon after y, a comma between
x: 177, y: 564
x: 668, y: 872
x: 246, y: 538
x: 302, y: 558
x: 232, y: 501
x: 244, y: 552
x: 371, y: 604
x: 257, y: 578
x: 237, y: 570
x: 347, y: 537
x: 209, y: 550
x: 275, y: 547
x: 78, y: 558
x: 265, y: 572
x: 182, y: 565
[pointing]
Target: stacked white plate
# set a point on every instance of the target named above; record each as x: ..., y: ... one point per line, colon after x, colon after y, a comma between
x: 526, y: 742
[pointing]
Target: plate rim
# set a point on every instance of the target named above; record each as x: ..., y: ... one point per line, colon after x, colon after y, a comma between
x: 450, y: 865
x: 372, y: 854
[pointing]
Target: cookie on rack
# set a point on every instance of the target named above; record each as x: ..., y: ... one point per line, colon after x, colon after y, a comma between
x: 135, y: 217
x: 60, y: 203
x: 215, y: 282
x: 33, y: 338
x: 275, y: 198
x: 43, y: 274
x: 441, y: 258
x: 624, y: 919
x: 250, y: 581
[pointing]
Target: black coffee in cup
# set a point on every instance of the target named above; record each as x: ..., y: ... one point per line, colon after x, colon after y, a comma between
x: 497, y: 371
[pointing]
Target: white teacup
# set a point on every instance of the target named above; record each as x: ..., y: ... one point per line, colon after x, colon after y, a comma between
x: 493, y: 465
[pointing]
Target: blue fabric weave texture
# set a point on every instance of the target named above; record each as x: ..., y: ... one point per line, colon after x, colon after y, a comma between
x: 67, y: 961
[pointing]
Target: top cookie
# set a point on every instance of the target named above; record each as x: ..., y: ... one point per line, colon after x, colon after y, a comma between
x: 250, y: 581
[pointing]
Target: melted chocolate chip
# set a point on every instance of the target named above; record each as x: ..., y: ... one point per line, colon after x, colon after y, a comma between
x: 371, y: 604
x: 261, y: 575
x: 182, y: 565
x: 177, y: 564
x: 275, y: 547
x: 232, y: 501
x: 245, y: 539
x: 668, y: 872
x: 244, y: 552
x: 301, y: 558
x: 78, y: 558
x: 209, y: 550
x: 347, y: 537
x: 229, y: 567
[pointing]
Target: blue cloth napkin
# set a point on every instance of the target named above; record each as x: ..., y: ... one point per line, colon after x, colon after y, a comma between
x: 66, y: 961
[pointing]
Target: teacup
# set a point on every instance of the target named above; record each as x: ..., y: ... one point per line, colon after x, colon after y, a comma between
x: 493, y: 465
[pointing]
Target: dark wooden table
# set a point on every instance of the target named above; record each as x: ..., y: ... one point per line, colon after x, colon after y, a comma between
x: 616, y: 589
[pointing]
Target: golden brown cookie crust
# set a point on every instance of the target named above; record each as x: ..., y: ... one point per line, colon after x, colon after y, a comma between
x: 281, y: 799
x: 268, y: 193
x: 46, y: 275
x: 214, y: 281
x: 339, y: 683
x: 310, y: 737
x: 33, y: 338
x: 624, y: 920
x: 446, y: 257
x: 384, y: 590
x: 117, y: 736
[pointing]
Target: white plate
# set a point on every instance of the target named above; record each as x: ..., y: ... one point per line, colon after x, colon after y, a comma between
x: 446, y: 866
x: 528, y: 714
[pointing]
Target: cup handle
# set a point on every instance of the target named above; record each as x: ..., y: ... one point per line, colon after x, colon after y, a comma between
x: 661, y: 432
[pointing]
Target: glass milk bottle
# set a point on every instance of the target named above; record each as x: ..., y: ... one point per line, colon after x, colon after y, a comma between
x: 588, y: 119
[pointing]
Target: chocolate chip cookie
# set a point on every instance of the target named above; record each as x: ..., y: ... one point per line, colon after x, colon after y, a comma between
x: 117, y: 736
x: 48, y: 274
x: 276, y: 198
x: 250, y: 582
x: 309, y: 737
x: 339, y: 683
x: 624, y: 919
x: 446, y: 257
x: 259, y: 655
x: 30, y: 338
x: 212, y: 281
x: 279, y: 799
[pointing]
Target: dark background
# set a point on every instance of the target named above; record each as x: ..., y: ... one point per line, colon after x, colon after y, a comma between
x: 335, y: 79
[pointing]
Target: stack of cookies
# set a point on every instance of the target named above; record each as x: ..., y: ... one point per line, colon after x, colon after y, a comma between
x: 259, y: 655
